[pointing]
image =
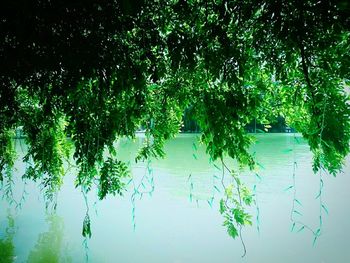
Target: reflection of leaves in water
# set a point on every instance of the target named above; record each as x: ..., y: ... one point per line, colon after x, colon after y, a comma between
x: 7, y: 248
x: 49, y: 245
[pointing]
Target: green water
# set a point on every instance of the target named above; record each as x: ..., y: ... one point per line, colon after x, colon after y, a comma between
x: 176, y: 223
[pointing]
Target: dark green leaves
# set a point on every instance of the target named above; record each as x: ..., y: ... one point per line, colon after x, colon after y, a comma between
x: 86, y: 232
x: 31, y: 173
x: 116, y: 67
x: 112, y: 174
x: 98, y: 72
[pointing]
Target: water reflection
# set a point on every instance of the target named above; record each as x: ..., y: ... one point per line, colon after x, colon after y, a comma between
x: 172, y: 229
x: 49, y: 246
x: 7, y: 248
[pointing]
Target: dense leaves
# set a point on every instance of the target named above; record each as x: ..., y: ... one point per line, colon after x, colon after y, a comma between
x: 112, y: 173
x: 98, y: 70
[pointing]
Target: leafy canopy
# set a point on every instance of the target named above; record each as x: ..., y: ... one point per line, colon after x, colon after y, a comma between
x: 98, y: 70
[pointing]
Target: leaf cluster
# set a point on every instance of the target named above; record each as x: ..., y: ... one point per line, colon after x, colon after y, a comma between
x: 93, y: 71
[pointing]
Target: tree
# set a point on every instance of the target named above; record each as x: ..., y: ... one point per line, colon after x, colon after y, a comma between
x: 98, y: 70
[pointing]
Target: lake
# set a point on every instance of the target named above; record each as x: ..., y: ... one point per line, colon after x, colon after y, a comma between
x: 177, y: 219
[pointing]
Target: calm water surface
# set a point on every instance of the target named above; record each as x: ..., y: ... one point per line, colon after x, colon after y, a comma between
x: 176, y: 223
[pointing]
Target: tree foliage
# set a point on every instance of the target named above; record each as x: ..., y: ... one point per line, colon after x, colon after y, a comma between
x: 98, y: 70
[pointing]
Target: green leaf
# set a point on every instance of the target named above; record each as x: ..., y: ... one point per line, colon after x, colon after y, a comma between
x: 194, y: 146
x: 287, y: 150
x: 297, y: 212
x: 217, y: 167
x: 325, y: 208
x: 130, y: 180
x: 222, y: 206
x: 288, y: 188
x: 209, y: 203
x: 258, y: 176
x: 232, y: 231
x: 86, y: 232
x: 111, y: 175
x: 241, y: 217
x: 298, y: 202
x: 260, y: 165
x: 228, y: 191
x: 293, y: 226
x: 246, y: 195
x: 317, y: 234
x: 301, y: 229
x: 217, y: 189
x: 318, y: 195
x: 189, y: 177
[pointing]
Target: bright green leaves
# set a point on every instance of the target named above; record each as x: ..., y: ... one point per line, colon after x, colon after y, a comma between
x: 232, y: 207
x: 231, y: 228
x: 241, y: 217
x: 229, y: 219
x: 226, y: 63
x: 111, y: 178
x: 230, y: 62
x: 48, y: 148
x: 233, y: 218
x: 229, y: 191
x: 246, y: 195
